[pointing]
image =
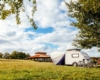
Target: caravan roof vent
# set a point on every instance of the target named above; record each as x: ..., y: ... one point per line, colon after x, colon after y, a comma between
x: 73, y: 49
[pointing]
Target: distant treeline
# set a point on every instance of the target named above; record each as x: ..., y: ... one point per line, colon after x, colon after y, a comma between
x: 15, y: 55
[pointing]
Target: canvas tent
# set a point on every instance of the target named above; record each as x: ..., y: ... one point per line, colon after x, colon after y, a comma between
x: 58, y: 58
x: 70, y: 57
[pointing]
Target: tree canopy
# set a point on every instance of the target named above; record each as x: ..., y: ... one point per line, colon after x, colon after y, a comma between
x: 16, y: 6
x: 15, y: 55
x: 6, y: 55
x: 1, y: 55
x: 86, y: 13
x: 19, y: 55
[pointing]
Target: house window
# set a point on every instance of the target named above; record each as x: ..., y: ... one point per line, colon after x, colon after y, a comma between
x: 47, y: 59
x: 35, y: 59
x: 75, y: 55
x: 40, y: 59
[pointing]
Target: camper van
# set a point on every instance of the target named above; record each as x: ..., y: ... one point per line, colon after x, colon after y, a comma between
x: 70, y: 57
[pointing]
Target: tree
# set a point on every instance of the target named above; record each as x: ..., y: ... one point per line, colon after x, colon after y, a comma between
x: 27, y: 55
x: 14, y: 55
x: 16, y: 6
x: 19, y: 55
x: 6, y: 55
x: 86, y: 13
x: 1, y: 55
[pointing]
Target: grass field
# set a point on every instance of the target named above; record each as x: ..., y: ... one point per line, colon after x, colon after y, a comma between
x: 30, y: 70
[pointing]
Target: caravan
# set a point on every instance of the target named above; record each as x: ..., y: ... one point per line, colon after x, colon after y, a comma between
x: 70, y: 57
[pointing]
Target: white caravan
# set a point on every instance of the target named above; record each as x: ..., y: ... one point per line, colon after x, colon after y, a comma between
x: 70, y: 57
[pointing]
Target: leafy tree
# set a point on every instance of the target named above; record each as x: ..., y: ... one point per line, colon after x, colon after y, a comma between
x: 16, y: 6
x: 19, y: 55
x: 27, y: 55
x: 87, y: 15
x: 14, y: 55
x: 1, y: 55
x: 6, y: 55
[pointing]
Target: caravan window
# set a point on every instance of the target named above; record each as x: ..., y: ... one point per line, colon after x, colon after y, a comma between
x: 75, y: 55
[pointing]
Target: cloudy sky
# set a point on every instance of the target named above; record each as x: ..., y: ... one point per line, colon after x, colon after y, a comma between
x: 54, y: 32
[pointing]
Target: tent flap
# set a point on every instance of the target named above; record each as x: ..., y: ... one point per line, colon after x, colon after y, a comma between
x: 62, y: 61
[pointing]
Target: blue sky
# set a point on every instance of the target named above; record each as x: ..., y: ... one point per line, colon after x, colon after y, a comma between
x: 40, y: 30
x: 54, y: 32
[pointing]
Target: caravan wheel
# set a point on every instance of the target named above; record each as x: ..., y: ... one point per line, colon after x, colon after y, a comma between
x: 75, y: 64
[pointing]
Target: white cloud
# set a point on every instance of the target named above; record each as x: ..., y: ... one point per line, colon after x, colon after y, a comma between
x: 63, y: 6
x: 70, y: 0
x: 49, y: 13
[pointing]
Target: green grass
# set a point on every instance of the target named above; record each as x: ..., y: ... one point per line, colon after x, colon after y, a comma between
x: 30, y: 70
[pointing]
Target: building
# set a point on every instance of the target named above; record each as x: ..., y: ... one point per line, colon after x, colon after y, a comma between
x: 41, y: 57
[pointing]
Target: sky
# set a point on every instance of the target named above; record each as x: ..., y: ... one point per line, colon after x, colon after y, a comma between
x: 54, y: 32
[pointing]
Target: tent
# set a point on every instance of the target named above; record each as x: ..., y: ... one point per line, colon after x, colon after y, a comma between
x: 58, y: 58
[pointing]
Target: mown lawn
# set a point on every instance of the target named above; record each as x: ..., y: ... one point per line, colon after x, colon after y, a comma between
x: 30, y: 70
